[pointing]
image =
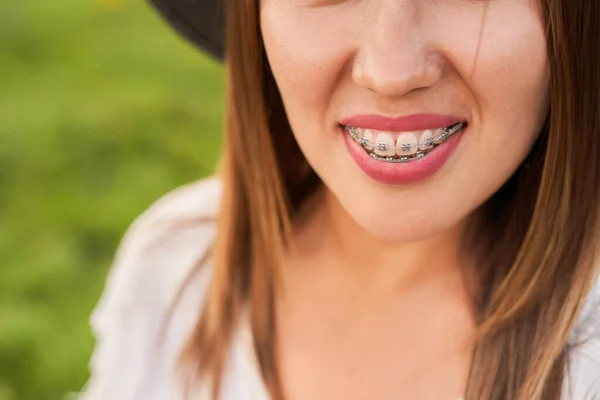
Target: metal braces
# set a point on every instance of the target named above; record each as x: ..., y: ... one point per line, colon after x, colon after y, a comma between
x: 430, y: 142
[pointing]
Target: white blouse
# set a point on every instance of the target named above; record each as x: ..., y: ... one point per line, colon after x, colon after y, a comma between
x: 132, y: 360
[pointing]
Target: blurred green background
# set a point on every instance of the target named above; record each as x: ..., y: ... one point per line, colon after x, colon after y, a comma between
x: 102, y: 110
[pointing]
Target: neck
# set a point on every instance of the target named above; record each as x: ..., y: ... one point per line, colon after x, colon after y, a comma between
x: 329, y: 233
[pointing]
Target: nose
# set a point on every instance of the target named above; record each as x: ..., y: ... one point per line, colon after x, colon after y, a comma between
x: 394, y: 56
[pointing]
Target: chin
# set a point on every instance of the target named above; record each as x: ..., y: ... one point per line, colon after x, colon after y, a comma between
x: 397, y: 217
x: 399, y: 229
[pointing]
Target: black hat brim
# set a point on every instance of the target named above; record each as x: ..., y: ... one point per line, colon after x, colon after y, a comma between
x: 200, y: 21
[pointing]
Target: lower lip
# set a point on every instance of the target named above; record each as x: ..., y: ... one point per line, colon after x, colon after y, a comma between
x: 402, y: 173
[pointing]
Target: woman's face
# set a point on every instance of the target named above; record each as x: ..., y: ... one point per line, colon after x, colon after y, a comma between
x: 395, y: 73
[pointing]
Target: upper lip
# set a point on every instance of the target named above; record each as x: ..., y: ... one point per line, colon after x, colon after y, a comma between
x: 408, y: 123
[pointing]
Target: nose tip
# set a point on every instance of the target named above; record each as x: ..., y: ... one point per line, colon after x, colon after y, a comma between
x: 395, y: 73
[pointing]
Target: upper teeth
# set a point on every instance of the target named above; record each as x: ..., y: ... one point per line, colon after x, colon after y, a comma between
x: 387, y: 144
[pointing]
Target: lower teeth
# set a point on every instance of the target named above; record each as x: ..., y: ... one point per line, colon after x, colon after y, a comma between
x: 449, y: 131
x: 399, y: 159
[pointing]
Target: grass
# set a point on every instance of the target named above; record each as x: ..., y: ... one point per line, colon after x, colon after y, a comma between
x: 102, y: 110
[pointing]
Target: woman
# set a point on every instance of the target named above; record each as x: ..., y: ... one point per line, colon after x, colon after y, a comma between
x: 407, y: 208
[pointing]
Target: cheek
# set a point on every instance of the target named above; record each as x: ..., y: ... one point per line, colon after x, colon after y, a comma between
x: 505, y: 66
x: 306, y: 49
x: 504, y: 69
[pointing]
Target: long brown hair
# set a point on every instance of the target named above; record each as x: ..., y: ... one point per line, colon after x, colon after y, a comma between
x: 537, y: 236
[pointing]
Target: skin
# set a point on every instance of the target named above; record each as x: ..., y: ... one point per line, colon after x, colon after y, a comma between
x: 375, y: 304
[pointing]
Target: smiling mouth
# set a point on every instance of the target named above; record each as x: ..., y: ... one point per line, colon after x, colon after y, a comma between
x: 400, y: 147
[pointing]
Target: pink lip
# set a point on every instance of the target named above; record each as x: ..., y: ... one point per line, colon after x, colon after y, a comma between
x: 408, y: 123
x: 402, y: 173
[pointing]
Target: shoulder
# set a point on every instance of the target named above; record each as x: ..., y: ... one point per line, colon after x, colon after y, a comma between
x: 162, y: 245
x: 157, y: 255
x: 583, y: 381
